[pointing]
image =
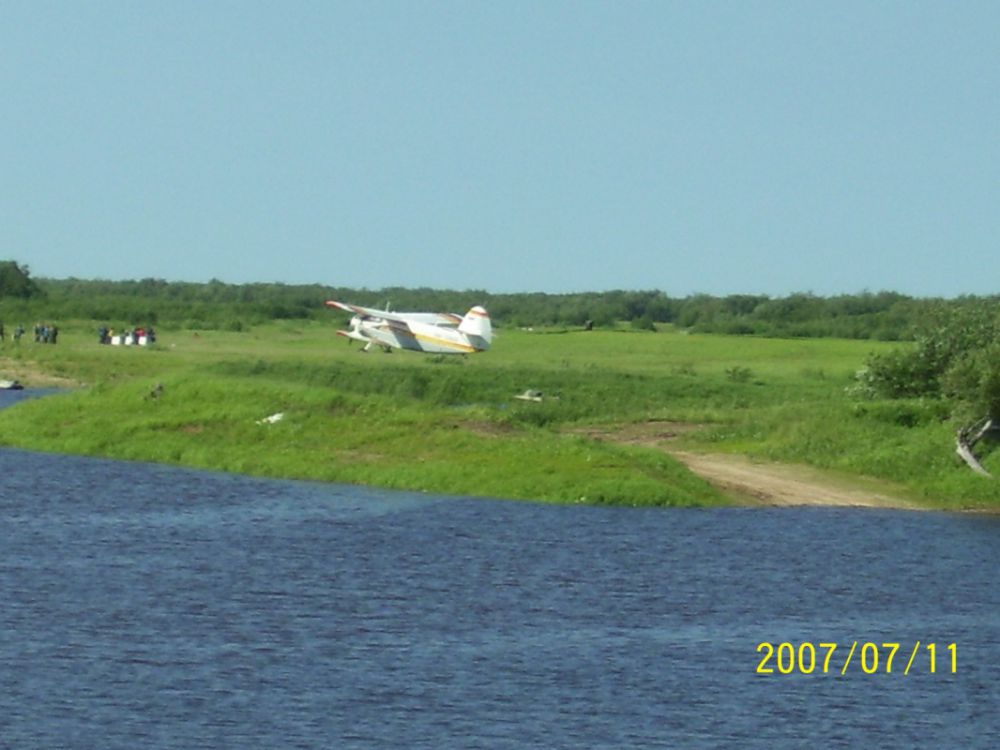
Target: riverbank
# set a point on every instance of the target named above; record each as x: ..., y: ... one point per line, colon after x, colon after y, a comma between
x: 454, y: 426
x: 300, y: 432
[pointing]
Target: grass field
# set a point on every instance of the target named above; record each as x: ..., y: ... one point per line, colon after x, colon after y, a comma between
x: 453, y: 425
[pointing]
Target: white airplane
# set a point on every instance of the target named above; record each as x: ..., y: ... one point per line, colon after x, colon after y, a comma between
x: 434, y: 333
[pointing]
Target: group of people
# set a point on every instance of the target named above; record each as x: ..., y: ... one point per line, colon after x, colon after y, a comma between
x: 135, y: 337
x: 44, y: 334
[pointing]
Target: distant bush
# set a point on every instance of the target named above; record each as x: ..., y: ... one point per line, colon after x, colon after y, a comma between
x: 16, y: 282
x: 739, y: 374
x: 957, y: 357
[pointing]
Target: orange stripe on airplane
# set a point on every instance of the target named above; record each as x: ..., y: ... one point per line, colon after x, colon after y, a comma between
x: 444, y: 342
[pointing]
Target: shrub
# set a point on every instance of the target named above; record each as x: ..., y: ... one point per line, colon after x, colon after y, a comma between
x: 957, y: 357
x: 739, y: 374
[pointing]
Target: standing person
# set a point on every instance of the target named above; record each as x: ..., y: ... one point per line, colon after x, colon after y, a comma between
x: 54, y: 334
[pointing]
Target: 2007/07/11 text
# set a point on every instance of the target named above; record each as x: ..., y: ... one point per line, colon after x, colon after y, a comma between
x: 870, y: 658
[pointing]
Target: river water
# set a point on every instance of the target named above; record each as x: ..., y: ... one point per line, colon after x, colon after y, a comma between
x: 146, y: 606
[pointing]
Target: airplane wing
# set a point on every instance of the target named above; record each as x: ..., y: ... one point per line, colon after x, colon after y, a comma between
x: 356, y: 309
x: 434, y: 319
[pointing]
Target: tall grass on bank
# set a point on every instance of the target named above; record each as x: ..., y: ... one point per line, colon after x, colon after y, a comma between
x: 217, y: 422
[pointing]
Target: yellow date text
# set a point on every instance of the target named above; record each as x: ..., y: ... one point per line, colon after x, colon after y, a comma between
x: 867, y: 657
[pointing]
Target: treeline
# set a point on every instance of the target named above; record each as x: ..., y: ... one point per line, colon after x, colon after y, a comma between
x: 216, y: 305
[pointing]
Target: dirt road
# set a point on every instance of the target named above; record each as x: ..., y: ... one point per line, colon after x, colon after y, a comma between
x: 782, y: 484
x: 764, y: 483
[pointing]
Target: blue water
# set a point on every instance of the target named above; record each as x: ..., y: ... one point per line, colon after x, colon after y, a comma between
x: 145, y: 606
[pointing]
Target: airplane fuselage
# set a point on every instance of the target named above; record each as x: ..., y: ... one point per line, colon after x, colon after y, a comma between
x: 417, y: 337
x: 433, y: 333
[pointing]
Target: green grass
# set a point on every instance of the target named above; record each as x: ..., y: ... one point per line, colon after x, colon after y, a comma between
x: 401, y: 421
x: 453, y: 425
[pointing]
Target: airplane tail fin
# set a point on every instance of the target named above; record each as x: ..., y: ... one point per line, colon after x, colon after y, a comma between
x: 476, y: 325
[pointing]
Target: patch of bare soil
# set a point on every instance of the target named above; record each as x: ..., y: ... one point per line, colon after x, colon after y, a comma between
x: 30, y: 376
x: 652, y: 433
x: 761, y: 483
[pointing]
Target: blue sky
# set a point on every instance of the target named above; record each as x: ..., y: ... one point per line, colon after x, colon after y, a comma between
x: 717, y: 147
